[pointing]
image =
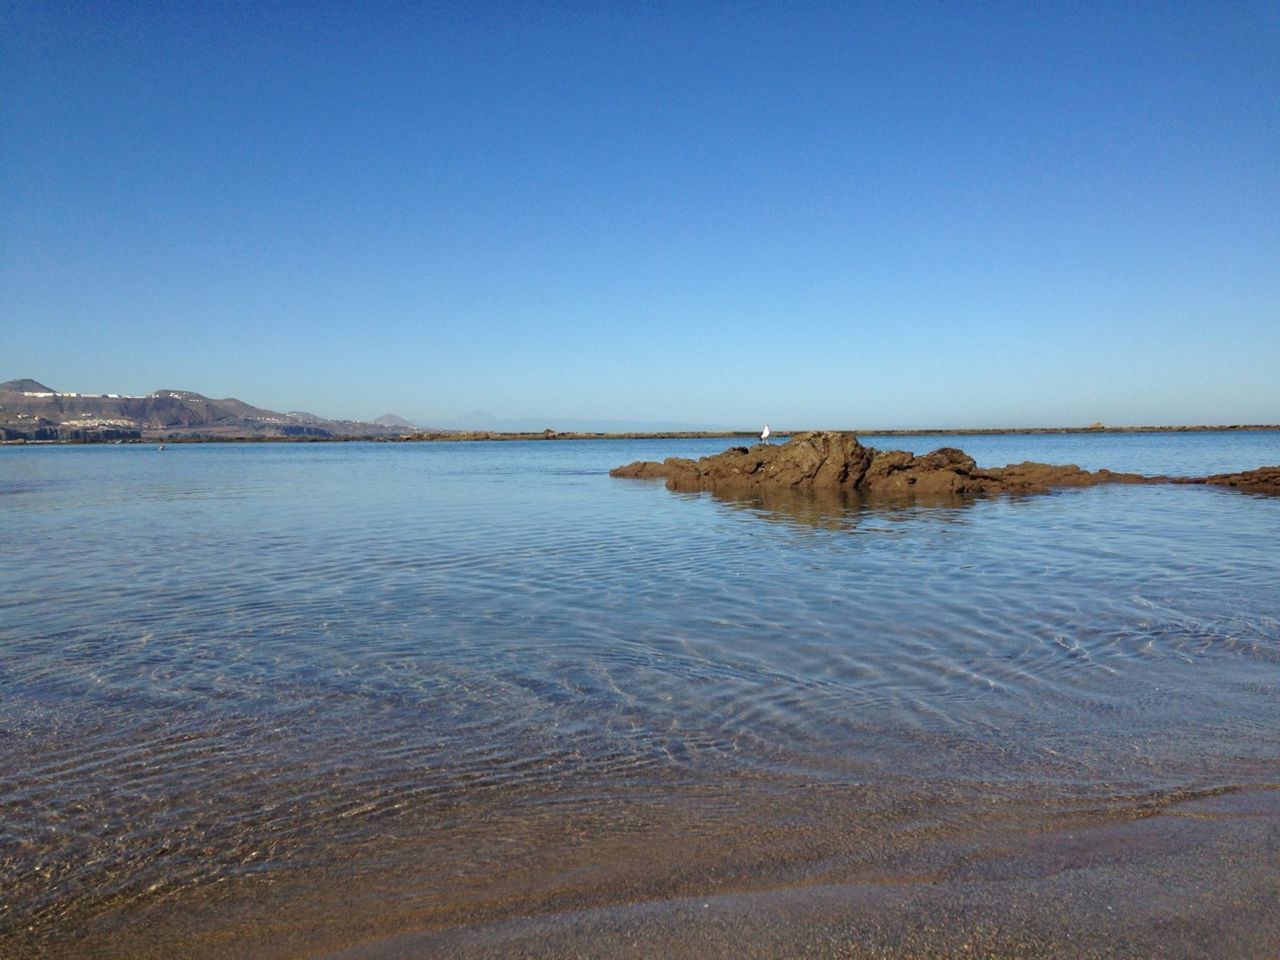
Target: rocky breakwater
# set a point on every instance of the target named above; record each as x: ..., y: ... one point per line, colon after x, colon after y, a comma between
x: 833, y: 461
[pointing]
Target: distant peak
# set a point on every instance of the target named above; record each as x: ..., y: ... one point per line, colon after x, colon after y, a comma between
x: 391, y: 420
x: 25, y: 386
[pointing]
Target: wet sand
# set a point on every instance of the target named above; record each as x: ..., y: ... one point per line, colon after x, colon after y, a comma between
x: 951, y: 870
x: 1153, y: 887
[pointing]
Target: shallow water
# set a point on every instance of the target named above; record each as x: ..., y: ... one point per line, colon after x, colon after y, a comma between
x: 263, y: 664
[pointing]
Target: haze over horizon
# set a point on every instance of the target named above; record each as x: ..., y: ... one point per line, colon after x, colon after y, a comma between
x: 816, y: 215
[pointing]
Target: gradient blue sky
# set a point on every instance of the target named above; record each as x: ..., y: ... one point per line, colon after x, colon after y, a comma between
x: 840, y: 215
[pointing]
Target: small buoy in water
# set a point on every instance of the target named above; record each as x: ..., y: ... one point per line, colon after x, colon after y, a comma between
x: 162, y: 446
x: 764, y: 434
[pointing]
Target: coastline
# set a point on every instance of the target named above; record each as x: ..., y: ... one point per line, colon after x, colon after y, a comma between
x: 503, y: 436
x: 751, y: 870
x: 1154, y: 885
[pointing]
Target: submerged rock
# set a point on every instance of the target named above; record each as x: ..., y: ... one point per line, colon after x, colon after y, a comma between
x: 829, y: 460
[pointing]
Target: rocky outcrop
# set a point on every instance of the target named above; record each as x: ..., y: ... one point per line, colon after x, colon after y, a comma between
x: 821, y: 461
x: 1031, y: 477
x: 830, y: 461
x: 1262, y: 480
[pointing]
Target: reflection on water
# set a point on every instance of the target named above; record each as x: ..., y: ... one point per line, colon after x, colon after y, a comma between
x: 839, y: 509
x: 235, y: 670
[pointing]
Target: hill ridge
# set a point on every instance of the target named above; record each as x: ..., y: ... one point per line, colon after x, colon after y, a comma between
x: 29, y: 410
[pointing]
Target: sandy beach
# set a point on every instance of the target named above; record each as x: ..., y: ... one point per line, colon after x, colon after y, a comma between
x: 781, y: 872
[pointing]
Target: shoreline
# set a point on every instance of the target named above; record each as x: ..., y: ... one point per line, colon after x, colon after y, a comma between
x: 1133, y: 888
x: 834, y: 871
x: 506, y: 436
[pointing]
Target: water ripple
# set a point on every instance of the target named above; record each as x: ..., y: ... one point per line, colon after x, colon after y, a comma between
x: 236, y: 661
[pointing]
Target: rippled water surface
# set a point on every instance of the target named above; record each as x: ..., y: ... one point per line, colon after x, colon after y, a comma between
x: 223, y: 662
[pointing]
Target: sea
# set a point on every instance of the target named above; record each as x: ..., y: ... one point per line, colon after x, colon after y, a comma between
x: 428, y: 699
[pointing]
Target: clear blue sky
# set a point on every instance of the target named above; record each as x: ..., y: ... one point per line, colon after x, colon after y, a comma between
x: 840, y: 215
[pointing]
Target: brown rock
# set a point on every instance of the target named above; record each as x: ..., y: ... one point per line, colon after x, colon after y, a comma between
x: 1261, y: 480
x: 837, y: 463
x: 647, y: 469
x: 947, y: 472
x: 809, y: 461
x: 1031, y: 477
x: 831, y: 461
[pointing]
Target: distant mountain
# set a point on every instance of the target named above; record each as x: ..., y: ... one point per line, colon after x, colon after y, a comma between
x: 30, y: 410
x: 23, y: 386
